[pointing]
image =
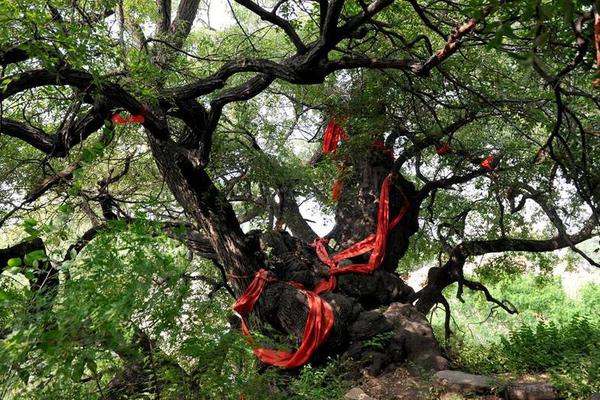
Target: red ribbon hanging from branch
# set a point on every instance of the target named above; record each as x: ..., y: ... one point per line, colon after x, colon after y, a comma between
x: 118, y: 119
x: 336, y: 191
x: 374, y: 243
x: 488, y: 163
x: 334, y: 134
x: 443, y: 149
x: 317, y: 328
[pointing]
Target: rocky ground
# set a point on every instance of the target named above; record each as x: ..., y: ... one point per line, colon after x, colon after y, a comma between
x: 400, y: 384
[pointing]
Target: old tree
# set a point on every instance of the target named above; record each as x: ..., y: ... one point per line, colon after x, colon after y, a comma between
x: 114, y: 235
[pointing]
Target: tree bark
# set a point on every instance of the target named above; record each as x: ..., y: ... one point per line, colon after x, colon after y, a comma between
x: 361, y: 302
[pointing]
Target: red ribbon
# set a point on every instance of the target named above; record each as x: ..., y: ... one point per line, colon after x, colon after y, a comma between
x: 487, y: 163
x: 443, y: 149
x: 336, y: 191
x: 118, y: 119
x: 375, y: 243
x: 334, y: 134
x: 317, y: 328
x: 320, y: 315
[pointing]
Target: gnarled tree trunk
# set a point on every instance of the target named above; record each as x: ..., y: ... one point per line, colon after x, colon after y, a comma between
x: 364, y: 305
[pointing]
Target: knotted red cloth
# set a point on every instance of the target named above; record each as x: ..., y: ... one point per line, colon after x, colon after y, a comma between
x: 334, y: 134
x: 336, y: 191
x: 375, y: 243
x: 118, y: 119
x: 317, y: 329
x: 443, y: 149
x: 487, y: 163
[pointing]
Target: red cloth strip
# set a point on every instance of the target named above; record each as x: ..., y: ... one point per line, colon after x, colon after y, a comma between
x: 380, y: 145
x: 118, y: 119
x: 337, y: 189
x: 334, y: 134
x: 318, y: 324
x: 375, y: 243
x: 487, y: 163
x: 443, y: 149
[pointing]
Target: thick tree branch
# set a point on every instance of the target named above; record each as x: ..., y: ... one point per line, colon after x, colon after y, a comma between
x: 12, y: 56
x: 448, y: 182
x: 29, y: 134
x: 164, y: 16
x: 439, y: 278
x: 58, y: 144
x: 182, y: 25
x: 451, y: 47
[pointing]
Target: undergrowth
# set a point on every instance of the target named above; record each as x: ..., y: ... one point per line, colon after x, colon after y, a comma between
x: 552, y: 334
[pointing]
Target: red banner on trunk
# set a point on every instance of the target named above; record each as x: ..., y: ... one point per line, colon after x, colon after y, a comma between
x: 374, y: 243
x: 443, y: 149
x: 317, y: 328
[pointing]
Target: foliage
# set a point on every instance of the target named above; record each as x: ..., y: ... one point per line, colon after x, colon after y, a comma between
x: 135, y: 296
x: 319, y: 383
x: 552, y: 334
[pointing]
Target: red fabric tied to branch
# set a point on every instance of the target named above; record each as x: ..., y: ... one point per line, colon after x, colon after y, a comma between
x: 334, y: 134
x: 336, y: 191
x: 118, y: 119
x: 375, y: 243
x: 443, y: 149
x: 487, y: 163
x: 317, y: 329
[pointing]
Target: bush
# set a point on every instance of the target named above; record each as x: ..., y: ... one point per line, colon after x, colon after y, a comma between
x: 551, y: 334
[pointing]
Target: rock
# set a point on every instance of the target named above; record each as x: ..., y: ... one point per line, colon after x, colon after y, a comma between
x: 357, y: 394
x: 451, y: 396
x: 369, y: 324
x: 462, y: 382
x: 595, y: 396
x: 414, y: 332
x: 530, y: 391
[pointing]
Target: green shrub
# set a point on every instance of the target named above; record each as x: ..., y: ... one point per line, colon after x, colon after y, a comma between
x: 319, y: 383
x: 552, y: 333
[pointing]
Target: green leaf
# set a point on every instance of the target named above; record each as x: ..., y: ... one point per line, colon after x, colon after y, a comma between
x: 24, y: 375
x: 14, y: 262
x: 91, y: 364
x: 77, y: 371
x: 65, y: 209
x: 29, y: 222
x: 29, y: 274
x: 4, y: 295
x: 32, y: 257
